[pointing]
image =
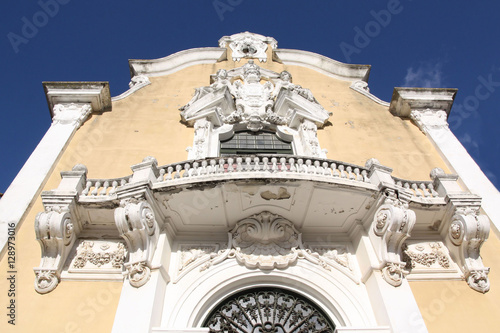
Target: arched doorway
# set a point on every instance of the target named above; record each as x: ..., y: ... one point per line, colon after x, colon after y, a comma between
x: 268, y: 310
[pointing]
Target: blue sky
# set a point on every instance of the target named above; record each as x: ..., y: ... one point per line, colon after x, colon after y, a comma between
x: 408, y: 43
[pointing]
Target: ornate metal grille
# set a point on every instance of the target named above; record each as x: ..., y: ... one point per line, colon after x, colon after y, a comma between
x: 268, y: 310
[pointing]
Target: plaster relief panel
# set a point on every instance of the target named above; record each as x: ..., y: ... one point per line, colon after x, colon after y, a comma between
x: 96, y: 259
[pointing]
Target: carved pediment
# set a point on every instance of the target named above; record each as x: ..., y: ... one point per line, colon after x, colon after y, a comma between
x: 255, y: 97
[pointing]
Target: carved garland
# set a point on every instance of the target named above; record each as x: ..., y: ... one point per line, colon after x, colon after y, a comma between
x: 265, y: 241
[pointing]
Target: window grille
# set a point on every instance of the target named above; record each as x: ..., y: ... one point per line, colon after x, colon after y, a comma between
x: 255, y: 143
x: 268, y: 310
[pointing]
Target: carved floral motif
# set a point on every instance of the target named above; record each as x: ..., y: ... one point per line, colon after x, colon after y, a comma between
x: 417, y: 255
x: 86, y: 254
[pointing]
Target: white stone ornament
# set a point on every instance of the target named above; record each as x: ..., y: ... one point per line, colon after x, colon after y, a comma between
x: 468, y: 231
x: 248, y: 45
x: 429, y: 119
x: 54, y: 231
x: 393, y: 223
x: 138, y: 227
x: 73, y: 114
x: 257, y: 100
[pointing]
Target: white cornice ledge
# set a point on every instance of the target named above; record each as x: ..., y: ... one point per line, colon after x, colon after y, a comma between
x: 324, y: 64
x: 362, y: 88
x: 405, y: 100
x: 94, y: 93
x: 176, y: 61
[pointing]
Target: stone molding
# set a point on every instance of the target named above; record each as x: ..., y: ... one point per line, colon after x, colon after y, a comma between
x: 71, y: 114
x: 362, y: 87
x: 136, y: 83
x: 405, y: 100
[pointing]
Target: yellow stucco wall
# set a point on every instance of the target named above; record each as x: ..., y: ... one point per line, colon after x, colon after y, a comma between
x: 451, y: 306
x: 147, y: 123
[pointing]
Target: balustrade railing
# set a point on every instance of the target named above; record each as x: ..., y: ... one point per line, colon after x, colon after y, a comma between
x: 257, y: 164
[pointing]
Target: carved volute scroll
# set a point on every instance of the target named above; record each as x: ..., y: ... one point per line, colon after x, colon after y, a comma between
x: 393, y: 223
x: 467, y: 232
x: 137, y: 224
x: 55, y: 232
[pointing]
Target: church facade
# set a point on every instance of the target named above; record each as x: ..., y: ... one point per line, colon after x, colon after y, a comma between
x: 248, y: 188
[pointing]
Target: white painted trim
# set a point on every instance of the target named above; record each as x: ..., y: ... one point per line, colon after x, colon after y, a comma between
x: 467, y: 169
x: 133, y: 88
x: 175, y: 62
x: 324, y: 65
x: 354, y: 86
x: 28, y: 183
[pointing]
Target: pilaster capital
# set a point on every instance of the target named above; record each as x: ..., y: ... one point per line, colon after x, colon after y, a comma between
x: 72, y: 114
x: 429, y: 119
x: 72, y: 102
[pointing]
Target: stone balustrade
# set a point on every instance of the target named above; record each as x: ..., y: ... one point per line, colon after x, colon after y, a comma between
x: 279, y: 165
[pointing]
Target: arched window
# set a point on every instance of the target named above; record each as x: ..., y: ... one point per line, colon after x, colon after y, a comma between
x: 268, y: 310
x: 255, y: 143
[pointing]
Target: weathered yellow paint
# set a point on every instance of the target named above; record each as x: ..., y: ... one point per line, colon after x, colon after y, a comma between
x: 451, y: 306
x: 147, y: 123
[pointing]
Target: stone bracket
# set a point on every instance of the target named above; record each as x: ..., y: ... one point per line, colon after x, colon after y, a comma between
x: 465, y: 233
x: 136, y: 223
x: 392, y: 225
x: 55, y: 231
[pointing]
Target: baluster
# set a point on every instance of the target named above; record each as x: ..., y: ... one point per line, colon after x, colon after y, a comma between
x: 239, y: 167
x: 364, y: 173
x: 96, y: 188
x: 274, y: 161
x: 230, y: 167
x: 248, y: 164
x: 424, y: 190
x: 342, y: 172
x: 317, y: 167
x: 265, y: 164
x: 349, y: 172
x: 170, y: 170
x: 123, y: 182
x: 213, y: 167
x: 220, y: 168
x: 431, y: 189
x: 203, y: 169
x: 326, y: 169
x: 186, y: 170
x: 309, y: 167
x: 105, y: 188
x: 414, y: 187
x: 283, y: 165
x: 178, y: 169
x: 406, y: 186
x: 399, y: 183
x: 195, y: 171
x: 291, y: 161
x: 87, y: 188
x: 256, y: 165
x: 300, y: 165
x: 113, y: 188
x: 358, y: 177
x: 161, y: 177
x: 335, y: 172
